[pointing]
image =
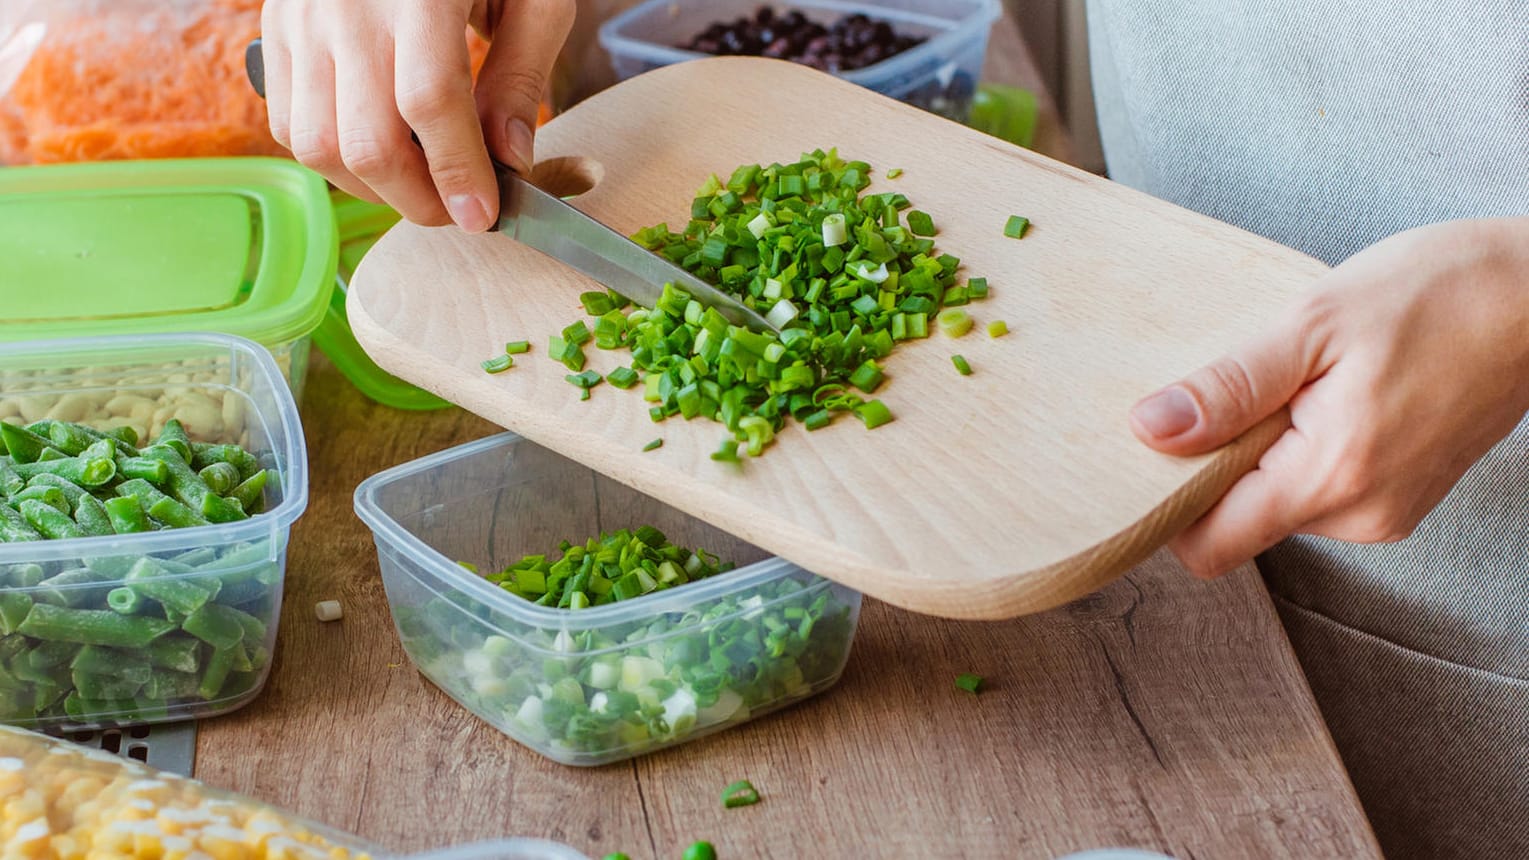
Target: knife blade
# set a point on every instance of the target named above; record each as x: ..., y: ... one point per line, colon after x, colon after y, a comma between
x: 552, y: 226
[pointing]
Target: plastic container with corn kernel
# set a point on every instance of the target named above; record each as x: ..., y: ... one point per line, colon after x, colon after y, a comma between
x: 62, y: 800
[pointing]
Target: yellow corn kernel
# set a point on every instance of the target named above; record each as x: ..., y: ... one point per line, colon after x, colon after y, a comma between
x: 148, y: 846
x: 29, y: 839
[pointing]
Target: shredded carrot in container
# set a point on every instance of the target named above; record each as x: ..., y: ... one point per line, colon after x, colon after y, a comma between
x: 144, y: 80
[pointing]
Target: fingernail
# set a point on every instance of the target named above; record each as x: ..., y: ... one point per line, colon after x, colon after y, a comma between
x: 519, y: 138
x: 1167, y: 413
x: 468, y: 211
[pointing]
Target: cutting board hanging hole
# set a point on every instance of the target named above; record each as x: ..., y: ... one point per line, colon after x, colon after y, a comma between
x: 567, y: 176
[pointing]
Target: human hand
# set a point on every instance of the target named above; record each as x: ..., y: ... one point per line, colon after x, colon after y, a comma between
x: 1401, y: 369
x: 346, y: 81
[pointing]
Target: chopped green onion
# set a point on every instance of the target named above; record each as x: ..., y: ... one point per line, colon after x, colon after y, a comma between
x: 1016, y: 226
x: 516, y: 347
x: 597, y: 303
x: 740, y: 793
x: 894, y: 173
x: 586, y: 380
x: 953, y: 322
x: 727, y: 452
x: 867, y: 377
x: 960, y: 362
x: 968, y: 682
x: 654, y: 445
x: 977, y: 288
x: 834, y: 232
x: 920, y: 223
x: 874, y: 413
x: 622, y: 377
x: 997, y: 328
x: 700, y: 851
x: 498, y: 364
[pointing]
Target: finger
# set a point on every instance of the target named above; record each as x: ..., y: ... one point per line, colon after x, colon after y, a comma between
x: 433, y: 83
x: 1263, y: 507
x: 515, y: 73
x: 314, y: 139
x: 1220, y: 401
x: 374, y: 140
x: 276, y: 62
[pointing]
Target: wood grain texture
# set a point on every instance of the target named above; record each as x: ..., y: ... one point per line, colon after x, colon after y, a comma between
x: 1161, y: 712
x: 1006, y: 492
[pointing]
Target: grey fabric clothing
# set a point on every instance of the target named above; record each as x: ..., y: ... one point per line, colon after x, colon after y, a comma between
x: 1328, y: 126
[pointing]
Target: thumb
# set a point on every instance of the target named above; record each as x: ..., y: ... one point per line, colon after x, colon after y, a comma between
x: 525, y: 43
x: 1223, y: 399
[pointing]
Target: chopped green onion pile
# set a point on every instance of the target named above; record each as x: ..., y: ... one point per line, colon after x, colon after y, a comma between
x: 740, y: 793
x: 836, y: 269
x: 615, y: 566
x: 968, y: 682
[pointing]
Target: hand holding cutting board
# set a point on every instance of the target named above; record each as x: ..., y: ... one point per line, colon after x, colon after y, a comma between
x: 1399, y: 371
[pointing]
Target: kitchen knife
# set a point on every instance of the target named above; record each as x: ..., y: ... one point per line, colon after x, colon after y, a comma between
x: 552, y: 226
x: 542, y: 221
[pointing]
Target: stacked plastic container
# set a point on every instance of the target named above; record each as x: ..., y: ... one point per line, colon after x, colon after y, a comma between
x: 940, y: 74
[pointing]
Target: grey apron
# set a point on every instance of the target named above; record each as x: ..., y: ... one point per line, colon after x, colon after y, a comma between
x: 1329, y: 126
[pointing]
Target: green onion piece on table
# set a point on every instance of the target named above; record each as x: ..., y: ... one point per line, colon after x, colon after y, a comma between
x: 954, y: 322
x: 920, y: 223
x: 874, y: 413
x: 1016, y: 226
x: 700, y: 851
x: 894, y: 173
x: 498, y: 364
x: 960, y: 362
x: 997, y: 328
x: 516, y: 347
x: 968, y: 682
x: 654, y: 445
x: 740, y: 793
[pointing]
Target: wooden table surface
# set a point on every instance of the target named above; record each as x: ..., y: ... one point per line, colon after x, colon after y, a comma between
x: 1161, y: 713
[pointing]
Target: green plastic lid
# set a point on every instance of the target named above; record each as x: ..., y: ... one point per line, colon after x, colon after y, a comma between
x: 360, y: 224
x: 244, y: 246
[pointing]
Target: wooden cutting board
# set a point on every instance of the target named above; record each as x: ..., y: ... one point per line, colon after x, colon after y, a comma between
x: 1005, y: 492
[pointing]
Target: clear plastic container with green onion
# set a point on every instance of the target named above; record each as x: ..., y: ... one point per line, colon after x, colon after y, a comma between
x: 609, y: 681
x: 136, y: 626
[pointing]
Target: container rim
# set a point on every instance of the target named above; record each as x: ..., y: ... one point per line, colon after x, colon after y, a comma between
x: 292, y: 462
x: 678, y: 599
x: 984, y: 13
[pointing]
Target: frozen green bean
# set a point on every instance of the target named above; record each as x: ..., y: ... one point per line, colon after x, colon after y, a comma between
x: 67, y: 437
x: 143, y: 468
x: 91, y: 517
x: 218, y: 626
x: 219, y: 477
x: 86, y: 473
x: 174, y: 436
x: 70, y: 489
x: 148, y: 577
x: 10, y: 482
x: 176, y: 653
x: 127, y: 515
x: 192, y: 490
x: 48, y: 520
x: 92, y: 626
x: 203, y: 455
x: 23, y: 445
x: 53, y: 497
x: 14, y: 528
x: 126, y: 601
x: 250, y: 492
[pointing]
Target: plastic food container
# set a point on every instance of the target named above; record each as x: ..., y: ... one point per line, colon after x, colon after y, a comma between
x: 939, y: 75
x: 244, y: 246
x: 360, y: 225
x: 227, y: 390
x: 595, y: 685
x: 69, y: 801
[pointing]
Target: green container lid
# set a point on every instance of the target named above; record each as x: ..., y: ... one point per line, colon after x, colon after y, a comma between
x: 245, y: 246
x: 360, y: 225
